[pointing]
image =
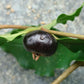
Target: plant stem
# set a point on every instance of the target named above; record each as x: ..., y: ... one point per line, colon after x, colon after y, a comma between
x: 13, y: 26
x: 64, y: 34
x: 67, y: 72
x: 50, y: 31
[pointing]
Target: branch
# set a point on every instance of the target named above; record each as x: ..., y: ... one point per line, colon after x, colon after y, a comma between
x: 67, y: 72
x: 49, y: 31
x: 64, y: 34
x: 13, y: 26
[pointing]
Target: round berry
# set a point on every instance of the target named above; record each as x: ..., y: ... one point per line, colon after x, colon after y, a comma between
x: 40, y: 43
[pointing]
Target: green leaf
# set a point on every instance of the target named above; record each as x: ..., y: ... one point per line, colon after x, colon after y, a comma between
x: 74, y: 45
x: 45, y: 66
x: 50, y: 25
x: 16, y: 31
x: 2, y: 41
x: 63, y: 18
x: 11, y: 36
x: 81, y: 56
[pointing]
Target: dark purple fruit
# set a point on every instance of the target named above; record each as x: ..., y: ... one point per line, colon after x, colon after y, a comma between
x: 40, y: 43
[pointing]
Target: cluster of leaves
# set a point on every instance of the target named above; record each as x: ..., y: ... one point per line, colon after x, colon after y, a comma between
x: 68, y: 49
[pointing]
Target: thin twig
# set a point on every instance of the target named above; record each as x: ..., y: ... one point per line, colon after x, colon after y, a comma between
x: 64, y: 34
x: 50, y: 31
x: 67, y: 72
x: 13, y: 26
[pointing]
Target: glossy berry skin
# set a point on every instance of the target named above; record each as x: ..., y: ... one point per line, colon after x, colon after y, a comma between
x: 40, y: 42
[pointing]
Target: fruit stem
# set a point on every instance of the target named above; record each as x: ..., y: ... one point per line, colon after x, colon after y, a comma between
x: 67, y: 72
x: 64, y: 34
